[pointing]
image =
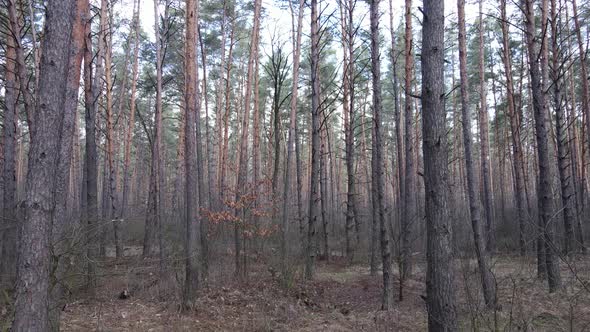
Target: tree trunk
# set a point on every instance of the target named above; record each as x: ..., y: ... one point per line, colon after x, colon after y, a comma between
x: 440, y: 290
x: 544, y: 191
x: 131, y: 124
x: 10, y: 223
x: 291, y: 136
x: 490, y: 238
x: 310, y: 250
x: 242, y: 179
x: 33, y: 262
x: 378, y: 160
x: 487, y: 281
x: 408, y: 213
x: 561, y: 127
x: 515, y: 128
x: 191, y: 283
x: 152, y: 221
x: 62, y: 217
x: 90, y: 162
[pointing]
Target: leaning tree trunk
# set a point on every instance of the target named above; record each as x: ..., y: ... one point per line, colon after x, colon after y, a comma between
x: 544, y: 191
x: 440, y: 291
x: 33, y: 262
x: 487, y: 282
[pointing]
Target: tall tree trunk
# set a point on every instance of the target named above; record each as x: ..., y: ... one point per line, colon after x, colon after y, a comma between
x: 515, y: 128
x: 561, y: 126
x: 242, y: 179
x: 487, y: 281
x: 152, y: 221
x: 22, y: 70
x: 291, y: 136
x: 131, y: 124
x: 378, y: 162
x: 409, y: 186
x: 544, y: 191
x: 106, y: 9
x: 90, y: 162
x: 33, y: 262
x: 62, y: 218
x: 310, y: 250
x: 10, y: 223
x: 490, y: 238
x: 440, y: 294
x: 191, y: 283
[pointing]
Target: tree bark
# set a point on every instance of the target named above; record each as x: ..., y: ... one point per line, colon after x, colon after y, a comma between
x: 440, y: 301
x: 544, y: 191
x: 408, y: 213
x: 490, y: 238
x: 153, y: 221
x: 378, y: 160
x: 10, y: 223
x: 310, y: 251
x: 191, y: 282
x: 33, y: 262
x: 487, y: 281
x: 515, y: 128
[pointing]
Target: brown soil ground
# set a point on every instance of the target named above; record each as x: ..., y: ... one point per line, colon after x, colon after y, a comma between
x: 340, y: 298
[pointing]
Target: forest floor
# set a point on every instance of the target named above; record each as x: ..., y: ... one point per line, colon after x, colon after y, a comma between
x: 340, y: 298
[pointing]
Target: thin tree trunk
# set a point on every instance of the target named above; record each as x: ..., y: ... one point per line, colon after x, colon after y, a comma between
x: 291, y: 138
x: 10, y: 223
x: 90, y: 162
x: 515, y: 128
x: 408, y: 213
x: 485, y: 143
x: 131, y: 124
x: 153, y: 220
x: 487, y: 282
x: 242, y: 179
x: 563, y: 150
x: 310, y: 251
